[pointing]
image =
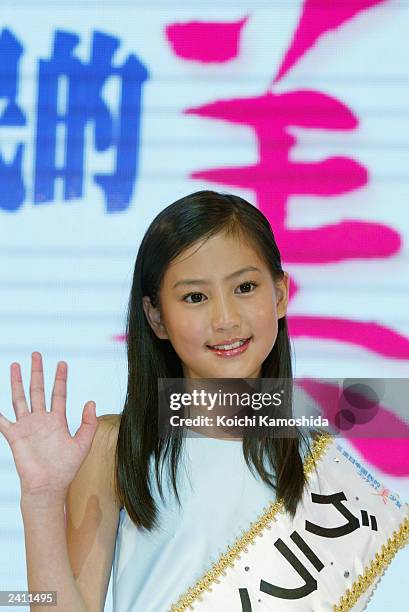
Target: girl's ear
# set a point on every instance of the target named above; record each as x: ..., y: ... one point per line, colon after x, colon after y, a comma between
x: 282, y: 292
x: 154, y: 318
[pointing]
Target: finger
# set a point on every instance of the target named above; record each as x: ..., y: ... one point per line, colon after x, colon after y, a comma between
x: 37, y: 397
x: 17, y: 391
x: 59, y: 394
x: 86, y: 431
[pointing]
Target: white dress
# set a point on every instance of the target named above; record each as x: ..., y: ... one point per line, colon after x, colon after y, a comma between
x: 220, y: 498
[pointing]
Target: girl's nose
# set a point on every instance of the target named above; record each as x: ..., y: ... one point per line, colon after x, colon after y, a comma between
x: 225, y: 314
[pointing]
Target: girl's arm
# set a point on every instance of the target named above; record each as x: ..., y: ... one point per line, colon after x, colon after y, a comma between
x: 73, y: 555
x: 48, y: 460
x: 48, y: 565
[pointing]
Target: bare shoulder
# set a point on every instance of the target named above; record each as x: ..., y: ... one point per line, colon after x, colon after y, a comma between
x: 109, y: 421
x: 97, y: 472
x: 108, y: 428
x: 104, y: 443
x: 92, y: 514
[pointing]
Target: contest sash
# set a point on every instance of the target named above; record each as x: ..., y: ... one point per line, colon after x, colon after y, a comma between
x: 330, y: 556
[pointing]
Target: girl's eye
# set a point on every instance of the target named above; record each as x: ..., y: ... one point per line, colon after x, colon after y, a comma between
x: 192, y: 295
x: 247, y: 285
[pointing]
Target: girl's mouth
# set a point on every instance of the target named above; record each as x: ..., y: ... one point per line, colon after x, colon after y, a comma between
x: 230, y: 350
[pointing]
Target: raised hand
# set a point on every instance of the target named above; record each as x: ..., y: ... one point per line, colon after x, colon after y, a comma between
x: 47, y: 457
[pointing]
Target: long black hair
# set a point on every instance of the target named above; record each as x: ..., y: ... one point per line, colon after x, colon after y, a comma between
x: 277, y: 460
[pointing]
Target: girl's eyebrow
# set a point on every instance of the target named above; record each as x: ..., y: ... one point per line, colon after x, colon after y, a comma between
x: 192, y: 281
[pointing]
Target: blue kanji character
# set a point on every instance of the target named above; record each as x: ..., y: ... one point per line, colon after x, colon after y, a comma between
x: 84, y: 104
x: 12, y: 190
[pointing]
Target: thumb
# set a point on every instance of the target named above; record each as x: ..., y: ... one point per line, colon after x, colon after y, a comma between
x: 86, y: 431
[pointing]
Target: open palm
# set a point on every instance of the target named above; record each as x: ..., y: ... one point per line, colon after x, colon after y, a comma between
x: 47, y: 457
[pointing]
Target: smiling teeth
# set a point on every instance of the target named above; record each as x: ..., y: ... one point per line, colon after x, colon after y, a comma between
x: 228, y: 347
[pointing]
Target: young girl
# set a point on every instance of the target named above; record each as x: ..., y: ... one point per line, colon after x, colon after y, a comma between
x: 216, y: 522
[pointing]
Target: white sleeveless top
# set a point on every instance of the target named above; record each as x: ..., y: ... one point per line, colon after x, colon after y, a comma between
x: 219, y: 496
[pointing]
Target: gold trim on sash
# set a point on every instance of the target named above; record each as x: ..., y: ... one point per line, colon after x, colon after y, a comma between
x: 377, y: 566
x: 319, y: 446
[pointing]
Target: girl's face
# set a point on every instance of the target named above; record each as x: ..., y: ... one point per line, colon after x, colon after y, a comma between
x: 219, y: 292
